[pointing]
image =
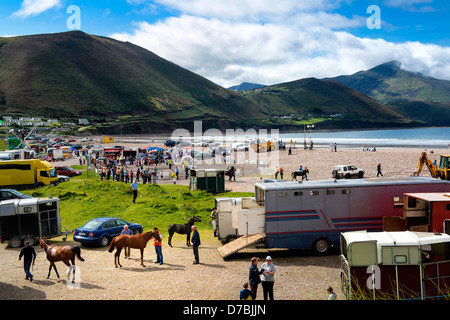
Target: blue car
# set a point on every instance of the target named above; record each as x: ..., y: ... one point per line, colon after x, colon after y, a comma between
x: 102, y: 230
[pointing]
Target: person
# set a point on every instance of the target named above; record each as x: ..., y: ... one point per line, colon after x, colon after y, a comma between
x: 331, y: 294
x: 281, y: 173
x: 157, y: 239
x: 246, y: 294
x: 379, y: 170
x: 128, y: 231
x: 154, y: 175
x: 276, y: 172
x: 254, y: 276
x: 195, y: 241
x: 29, y: 256
x: 268, y: 278
x: 213, y: 220
x: 134, y: 186
x: 174, y: 177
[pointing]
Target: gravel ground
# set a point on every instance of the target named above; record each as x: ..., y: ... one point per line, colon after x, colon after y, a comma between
x: 299, y: 276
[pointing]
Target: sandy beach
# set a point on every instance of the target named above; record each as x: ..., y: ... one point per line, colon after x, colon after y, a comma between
x: 395, y: 162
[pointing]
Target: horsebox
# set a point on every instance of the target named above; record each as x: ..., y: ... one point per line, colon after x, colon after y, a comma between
x: 26, y: 220
x: 311, y: 215
x: 397, y: 265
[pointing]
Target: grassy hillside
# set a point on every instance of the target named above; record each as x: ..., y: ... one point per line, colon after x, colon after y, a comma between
x: 82, y: 199
x: 322, y: 98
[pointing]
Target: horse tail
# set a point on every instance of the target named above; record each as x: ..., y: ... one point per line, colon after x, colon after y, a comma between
x: 77, y: 251
x: 112, y: 245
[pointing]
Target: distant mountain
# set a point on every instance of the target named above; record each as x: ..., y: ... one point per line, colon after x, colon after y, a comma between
x: 388, y: 82
x: 244, y: 86
x: 413, y: 95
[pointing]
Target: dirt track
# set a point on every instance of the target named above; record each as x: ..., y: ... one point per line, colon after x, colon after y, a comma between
x: 299, y: 276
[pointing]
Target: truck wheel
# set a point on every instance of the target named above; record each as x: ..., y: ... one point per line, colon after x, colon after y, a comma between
x: 321, y: 246
x: 361, y: 175
x: 334, y: 174
x: 30, y: 239
x: 15, y: 242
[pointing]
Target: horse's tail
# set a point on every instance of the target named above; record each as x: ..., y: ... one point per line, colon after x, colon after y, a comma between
x: 77, y: 251
x: 112, y: 245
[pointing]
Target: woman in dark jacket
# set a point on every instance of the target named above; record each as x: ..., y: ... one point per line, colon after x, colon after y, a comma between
x: 253, y: 276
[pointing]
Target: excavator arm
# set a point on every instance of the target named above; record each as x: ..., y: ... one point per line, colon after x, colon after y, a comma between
x: 434, y: 170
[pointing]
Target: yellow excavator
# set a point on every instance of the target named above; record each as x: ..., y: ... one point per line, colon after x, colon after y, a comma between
x: 442, y: 171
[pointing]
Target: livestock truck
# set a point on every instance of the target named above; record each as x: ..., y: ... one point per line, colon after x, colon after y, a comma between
x: 311, y: 215
x: 20, y: 174
x: 26, y: 220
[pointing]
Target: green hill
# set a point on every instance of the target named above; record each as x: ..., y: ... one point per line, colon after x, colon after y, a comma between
x: 124, y: 88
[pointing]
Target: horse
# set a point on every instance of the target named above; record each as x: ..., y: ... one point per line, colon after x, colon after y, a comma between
x: 302, y: 174
x: 183, y: 229
x: 136, y: 241
x: 231, y: 173
x: 65, y: 254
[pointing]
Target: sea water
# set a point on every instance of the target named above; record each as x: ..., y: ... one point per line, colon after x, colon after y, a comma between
x: 438, y: 138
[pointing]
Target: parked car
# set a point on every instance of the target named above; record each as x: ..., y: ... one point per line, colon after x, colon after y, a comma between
x: 6, y: 194
x: 239, y: 147
x: 85, y: 139
x: 67, y: 171
x: 170, y: 143
x: 102, y: 230
x: 63, y: 178
x: 347, y: 172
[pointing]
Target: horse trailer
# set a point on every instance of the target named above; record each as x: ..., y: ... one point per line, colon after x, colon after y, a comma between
x: 26, y: 220
x: 401, y: 265
x: 313, y: 214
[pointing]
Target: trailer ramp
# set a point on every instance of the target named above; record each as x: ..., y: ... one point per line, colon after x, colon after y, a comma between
x: 240, y: 243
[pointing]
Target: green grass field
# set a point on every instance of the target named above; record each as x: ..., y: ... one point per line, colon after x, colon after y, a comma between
x: 84, y: 198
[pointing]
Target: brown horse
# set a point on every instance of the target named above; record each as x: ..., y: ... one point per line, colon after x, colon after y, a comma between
x: 136, y: 241
x: 65, y: 254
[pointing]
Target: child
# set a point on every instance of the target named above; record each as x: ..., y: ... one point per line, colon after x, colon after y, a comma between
x: 246, y: 294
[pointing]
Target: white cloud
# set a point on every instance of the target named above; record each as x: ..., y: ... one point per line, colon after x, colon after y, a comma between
x: 230, y: 49
x: 35, y: 7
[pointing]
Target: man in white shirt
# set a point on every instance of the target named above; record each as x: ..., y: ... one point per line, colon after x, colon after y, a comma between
x: 134, y: 187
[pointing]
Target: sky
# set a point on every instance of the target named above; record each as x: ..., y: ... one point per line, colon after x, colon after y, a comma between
x: 259, y: 41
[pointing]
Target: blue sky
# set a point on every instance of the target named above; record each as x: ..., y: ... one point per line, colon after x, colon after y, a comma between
x: 264, y: 41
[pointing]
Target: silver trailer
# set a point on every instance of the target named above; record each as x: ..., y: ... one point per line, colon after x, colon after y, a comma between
x: 26, y: 220
x: 311, y: 215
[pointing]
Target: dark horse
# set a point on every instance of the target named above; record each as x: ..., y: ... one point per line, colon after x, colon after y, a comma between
x: 183, y: 229
x: 136, y: 241
x: 65, y: 254
x: 302, y: 174
x: 231, y: 173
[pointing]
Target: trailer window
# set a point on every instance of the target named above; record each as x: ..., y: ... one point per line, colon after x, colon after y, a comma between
x: 330, y: 192
x: 298, y: 193
x: 398, y: 202
x: 447, y: 207
x: 282, y: 194
x: 346, y: 191
x: 314, y: 193
x: 400, y: 259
